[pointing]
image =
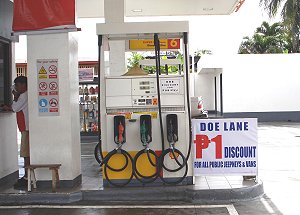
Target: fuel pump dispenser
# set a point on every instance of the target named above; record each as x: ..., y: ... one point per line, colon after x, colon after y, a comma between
x: 147, y: 117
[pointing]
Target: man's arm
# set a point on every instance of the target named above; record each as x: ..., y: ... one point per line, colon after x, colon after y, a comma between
x: 16, y: 95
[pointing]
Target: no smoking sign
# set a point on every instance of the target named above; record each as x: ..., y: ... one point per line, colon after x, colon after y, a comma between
x: 43, y: 86
x: 53, y: 86
x: 52, y: 69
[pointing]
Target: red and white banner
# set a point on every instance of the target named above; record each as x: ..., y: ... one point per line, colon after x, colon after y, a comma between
x: 225, y: 146
x: 30, y: 15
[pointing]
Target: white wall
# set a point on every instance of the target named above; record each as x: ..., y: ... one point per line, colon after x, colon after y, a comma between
x: 251, y: 83
x: 55, y: 139
x: 261, y: 83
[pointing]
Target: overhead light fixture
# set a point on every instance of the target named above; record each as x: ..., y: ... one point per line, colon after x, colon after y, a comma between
x: 137, y: 10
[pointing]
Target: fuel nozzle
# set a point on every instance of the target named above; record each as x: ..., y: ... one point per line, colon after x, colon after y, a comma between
x: 119, y: 130
x: 172, y: 128
x: 145, y: 129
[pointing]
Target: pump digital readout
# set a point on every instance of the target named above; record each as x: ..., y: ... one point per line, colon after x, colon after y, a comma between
x: 144, y: 82
x: 145, y: 88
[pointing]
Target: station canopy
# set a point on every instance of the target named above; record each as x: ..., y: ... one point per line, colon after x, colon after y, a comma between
x: 140, y: 8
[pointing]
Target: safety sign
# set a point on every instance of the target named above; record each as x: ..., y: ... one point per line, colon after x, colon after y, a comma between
x: 42, y: 71
x: 43, y: 103
x: 53, y: 86
x: 43, y: 86
x: 225, y: 147
x: 48, y: 87
x: 53, y: 69
x: 53, y: 102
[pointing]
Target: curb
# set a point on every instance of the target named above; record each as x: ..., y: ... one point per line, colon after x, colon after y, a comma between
x: 146, y: 194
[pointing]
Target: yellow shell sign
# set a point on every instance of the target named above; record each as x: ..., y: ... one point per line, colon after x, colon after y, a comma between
x: 149, y: 44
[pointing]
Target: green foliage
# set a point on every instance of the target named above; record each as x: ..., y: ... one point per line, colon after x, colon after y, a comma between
x: 267, y: 39
x: 135, y: 57
x: 290, y: 15
x: 134, y: 60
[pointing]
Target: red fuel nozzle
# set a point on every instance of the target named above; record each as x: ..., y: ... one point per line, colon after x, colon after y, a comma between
x: 121, y: 131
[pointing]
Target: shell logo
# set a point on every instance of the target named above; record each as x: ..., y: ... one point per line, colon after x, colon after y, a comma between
x: 174, y: 43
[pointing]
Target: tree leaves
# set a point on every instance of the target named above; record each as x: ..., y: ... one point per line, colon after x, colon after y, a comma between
x: 290, y: 15
x: 267, y: 39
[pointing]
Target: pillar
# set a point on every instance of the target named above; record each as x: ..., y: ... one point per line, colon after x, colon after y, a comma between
x: 9, y: 169
x: 114, y: 13
x: 55, y: 139
x: 8, y: 128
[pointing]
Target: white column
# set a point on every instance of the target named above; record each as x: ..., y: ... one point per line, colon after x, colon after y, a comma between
x: 55, y: 139
x: 114, y: 13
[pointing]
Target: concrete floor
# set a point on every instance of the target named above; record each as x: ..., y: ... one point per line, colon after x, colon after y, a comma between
x: 279, y: 169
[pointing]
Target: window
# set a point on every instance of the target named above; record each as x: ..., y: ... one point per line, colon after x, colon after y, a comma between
x: 5, y: 72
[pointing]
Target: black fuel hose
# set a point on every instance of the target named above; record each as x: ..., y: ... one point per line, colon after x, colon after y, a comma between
x: 187, y: 72
x: 172, y: 149
x: 106, y: 166
x: 105, y: 159
x: 100, y: 42
x: 145, y: 179
x: 157, y: 64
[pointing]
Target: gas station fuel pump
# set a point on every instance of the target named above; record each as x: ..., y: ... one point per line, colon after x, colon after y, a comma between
x: 145, y: 120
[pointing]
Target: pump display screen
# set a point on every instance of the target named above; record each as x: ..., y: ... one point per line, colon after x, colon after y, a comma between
x: 145, y: 83
x: 145, y: 88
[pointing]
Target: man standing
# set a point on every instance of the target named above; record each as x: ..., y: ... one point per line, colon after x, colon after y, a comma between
x: 20, y: 107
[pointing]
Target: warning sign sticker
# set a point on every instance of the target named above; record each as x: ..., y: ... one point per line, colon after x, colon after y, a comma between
x: 43, y: 102
x: 53, y: 86
x: 53, y: 102
x: 53, y: 69
x: 42, y: 71
x: 48, y: 87
x: 43, y: 86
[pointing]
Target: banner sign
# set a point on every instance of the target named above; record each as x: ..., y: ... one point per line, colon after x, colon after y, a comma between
x: 225, y: 146
x: 149, y: 44
x: 48, y: 87
x: 86, y: 74
x: 32, y: 15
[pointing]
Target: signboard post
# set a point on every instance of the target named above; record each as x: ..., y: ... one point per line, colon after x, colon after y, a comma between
x: 225, y: 147
x: 48, y: 87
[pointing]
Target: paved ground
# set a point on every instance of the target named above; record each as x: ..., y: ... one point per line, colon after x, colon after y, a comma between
x: 279, y: 168
x: 248, y: 208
